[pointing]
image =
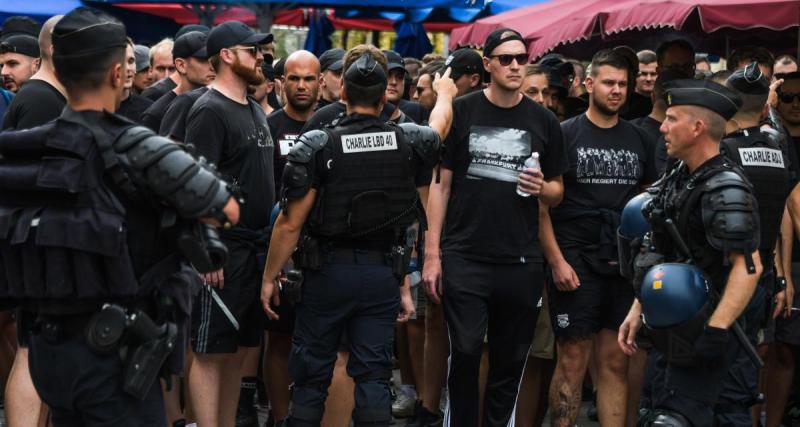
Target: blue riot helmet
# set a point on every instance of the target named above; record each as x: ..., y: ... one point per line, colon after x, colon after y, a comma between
x: 675, y: 307
x: 633, y: 226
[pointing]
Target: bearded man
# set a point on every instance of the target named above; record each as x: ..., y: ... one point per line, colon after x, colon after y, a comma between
x: 231, y: 131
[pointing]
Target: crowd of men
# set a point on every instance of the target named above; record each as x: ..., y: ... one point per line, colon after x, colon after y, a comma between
x: 373, y: 209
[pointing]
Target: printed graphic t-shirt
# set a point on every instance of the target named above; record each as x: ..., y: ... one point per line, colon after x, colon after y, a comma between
x: 486, y: 149
x: 606, y: 169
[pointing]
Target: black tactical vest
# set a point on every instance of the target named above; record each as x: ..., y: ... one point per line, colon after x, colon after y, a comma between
x: 766, y: 165
x: 368, y: 190
x: 63, y: 231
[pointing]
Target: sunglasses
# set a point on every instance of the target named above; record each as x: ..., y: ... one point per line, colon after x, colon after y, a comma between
x: 421, y: 89
x: 505, y: 60
x: 788, y: 97
x: 251, y: 49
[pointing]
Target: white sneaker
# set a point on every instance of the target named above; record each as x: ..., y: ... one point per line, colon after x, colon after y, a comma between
x: 403, y: 405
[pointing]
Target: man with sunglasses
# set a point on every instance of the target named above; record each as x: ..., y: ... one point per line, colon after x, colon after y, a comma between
x: 482, y: 253
x: 230, y: 130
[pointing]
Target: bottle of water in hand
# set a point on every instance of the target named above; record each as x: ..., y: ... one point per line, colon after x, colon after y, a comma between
x: 531, y: 163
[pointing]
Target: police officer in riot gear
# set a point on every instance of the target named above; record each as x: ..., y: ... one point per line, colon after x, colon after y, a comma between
x: 704, y: 212
x: 348, y: 199
x: 83, y: 202
x: 765, y: 161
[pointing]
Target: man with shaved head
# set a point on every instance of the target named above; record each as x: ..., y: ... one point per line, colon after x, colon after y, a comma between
x: 300, y: 88
x: 42, y: 97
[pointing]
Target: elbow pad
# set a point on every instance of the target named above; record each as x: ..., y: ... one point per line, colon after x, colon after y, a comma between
x: 730, y: 214
x: 190, y: 186
x: 424, y: 141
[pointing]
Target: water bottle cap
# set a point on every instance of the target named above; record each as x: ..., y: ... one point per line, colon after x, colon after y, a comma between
x: 535, y: 155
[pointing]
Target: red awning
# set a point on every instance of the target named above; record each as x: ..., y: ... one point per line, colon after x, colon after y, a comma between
x: 562, y: 22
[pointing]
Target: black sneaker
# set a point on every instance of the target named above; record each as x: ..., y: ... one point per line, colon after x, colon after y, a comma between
x: 413, y: 421
x: 246, y: 416
x: 426, y: 418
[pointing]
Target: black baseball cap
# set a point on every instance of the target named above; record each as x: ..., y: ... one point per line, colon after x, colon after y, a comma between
x: 749, y: 80
x: 231, y: 33
x: 705, y: 94
x: 279, y: 66
x: 498, y: 37
x: 190, y: 45
x: 331, y: 59
x: 192, y: 27
x: 560, y: 73
x: 85, y: 30
x: 22, y: 44
x: 464, y: 62
x: 394, y: 60
x: 267, y: 69
x: 365, y: 71
x: 16, y: 25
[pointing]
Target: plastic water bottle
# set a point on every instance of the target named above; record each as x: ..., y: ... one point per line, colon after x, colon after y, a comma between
x: 531, y: 163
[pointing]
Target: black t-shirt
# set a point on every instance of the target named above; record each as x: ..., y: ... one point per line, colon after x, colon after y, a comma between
x: 652, y: 127
x: 285, y: 131
x: 159, y: 88
x: 323, y: 103
x: 607, y: 167
x: 327, y: 114
x: 236, y: 138
x: 155, y: 113
x: 36, y: 103
x: 486, y: 148
x: 133, y: 107
x: 638, y: 106
x: 173, y: 125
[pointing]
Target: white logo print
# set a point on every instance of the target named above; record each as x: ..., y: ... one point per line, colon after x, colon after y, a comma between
x: 563, y: 320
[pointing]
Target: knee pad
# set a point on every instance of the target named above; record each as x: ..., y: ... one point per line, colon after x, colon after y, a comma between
x: 665, y: 418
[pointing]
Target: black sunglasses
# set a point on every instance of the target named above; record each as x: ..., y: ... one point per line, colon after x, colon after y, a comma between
x: 505, y: 60
x: 251, y: 49
x: 788, y: 97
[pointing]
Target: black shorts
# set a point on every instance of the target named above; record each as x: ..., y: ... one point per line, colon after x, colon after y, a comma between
x: 602, y: 301
x: 225, y: 319
x: 787, y: 331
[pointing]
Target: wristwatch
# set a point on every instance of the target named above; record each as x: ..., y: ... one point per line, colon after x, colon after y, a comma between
x: 780, y: 283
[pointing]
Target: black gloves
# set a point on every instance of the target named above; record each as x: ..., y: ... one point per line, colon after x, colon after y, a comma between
x: 711, y: 346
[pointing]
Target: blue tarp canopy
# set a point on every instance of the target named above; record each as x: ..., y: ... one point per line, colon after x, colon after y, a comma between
x: 39, y: 10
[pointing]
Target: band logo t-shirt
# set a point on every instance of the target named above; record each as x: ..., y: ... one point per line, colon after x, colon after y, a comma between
x: 607, y: 167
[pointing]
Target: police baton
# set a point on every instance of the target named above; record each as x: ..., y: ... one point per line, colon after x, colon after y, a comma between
x: 751, y: 351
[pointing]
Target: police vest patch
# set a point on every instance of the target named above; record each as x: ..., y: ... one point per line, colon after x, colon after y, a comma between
x: 758, y: 156
x: 367, y: 142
